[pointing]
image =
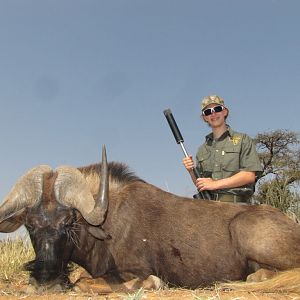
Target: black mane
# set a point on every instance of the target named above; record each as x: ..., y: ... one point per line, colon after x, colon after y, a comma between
x: 117, y: 171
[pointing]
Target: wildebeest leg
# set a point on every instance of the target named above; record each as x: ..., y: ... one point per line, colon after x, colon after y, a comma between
x: 109, y: 283
x: 268, y: 238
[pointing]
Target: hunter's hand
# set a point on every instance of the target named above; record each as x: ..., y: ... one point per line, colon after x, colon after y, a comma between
x: 208, y: 184
x: 188, y: 163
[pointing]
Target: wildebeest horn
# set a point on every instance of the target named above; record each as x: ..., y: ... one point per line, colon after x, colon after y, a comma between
x: 25, y: 193
x: 102, y: 199
x: 71, y: 189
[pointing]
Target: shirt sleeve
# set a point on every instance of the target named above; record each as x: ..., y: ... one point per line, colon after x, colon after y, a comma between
x: 249, y: 159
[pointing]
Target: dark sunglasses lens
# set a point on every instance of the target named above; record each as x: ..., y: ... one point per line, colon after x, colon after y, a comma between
x: 218, y: 108
x: 207, y: 112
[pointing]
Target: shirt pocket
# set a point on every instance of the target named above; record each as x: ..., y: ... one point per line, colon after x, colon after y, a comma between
x: 231, y: 159
x: 204, y: 162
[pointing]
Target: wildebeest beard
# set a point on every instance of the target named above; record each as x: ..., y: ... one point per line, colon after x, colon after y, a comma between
x: 46, y: 274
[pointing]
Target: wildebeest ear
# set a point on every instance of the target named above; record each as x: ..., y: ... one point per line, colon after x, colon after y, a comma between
x: 12, y: 223
x: 98, y: 233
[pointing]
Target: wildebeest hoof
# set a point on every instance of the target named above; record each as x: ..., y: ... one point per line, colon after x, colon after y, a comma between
x: 29, y: 289
x: 150, y: 283
x: 153, y: 283
x: 260, y: 275
x: 76, y: 289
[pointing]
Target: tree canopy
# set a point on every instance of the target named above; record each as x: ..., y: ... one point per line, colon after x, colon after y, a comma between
x: 280, y: 156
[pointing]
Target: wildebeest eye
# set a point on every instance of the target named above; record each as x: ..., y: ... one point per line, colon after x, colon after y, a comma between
x: 66, y: 226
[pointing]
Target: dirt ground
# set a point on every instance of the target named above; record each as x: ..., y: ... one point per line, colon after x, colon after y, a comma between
x: 16, y: 291
x: 19, y: 289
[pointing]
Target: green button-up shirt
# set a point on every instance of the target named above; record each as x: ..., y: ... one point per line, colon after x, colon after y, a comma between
x: 226, y: 156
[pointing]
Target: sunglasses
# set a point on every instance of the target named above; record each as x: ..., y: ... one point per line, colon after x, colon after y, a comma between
x: 216, y: 109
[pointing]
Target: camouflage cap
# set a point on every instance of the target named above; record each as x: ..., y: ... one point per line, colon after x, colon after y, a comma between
x: 211, y: 99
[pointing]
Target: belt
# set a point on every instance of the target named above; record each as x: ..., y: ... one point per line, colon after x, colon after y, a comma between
x: 226, y: 198
x: 231, y: 198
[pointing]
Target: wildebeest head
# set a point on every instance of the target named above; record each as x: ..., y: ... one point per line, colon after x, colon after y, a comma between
x: 48, y: 203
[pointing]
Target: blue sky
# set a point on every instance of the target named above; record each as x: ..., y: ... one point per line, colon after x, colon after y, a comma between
x: 76, y: 74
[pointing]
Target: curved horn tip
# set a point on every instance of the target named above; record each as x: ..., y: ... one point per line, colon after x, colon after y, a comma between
x: 104, y: 152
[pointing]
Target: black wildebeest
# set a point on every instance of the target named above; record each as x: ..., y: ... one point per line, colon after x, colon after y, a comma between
x: 109, y: 221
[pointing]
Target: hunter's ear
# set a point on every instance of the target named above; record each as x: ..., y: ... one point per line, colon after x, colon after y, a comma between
x: 227, y: 112
x: 98, y: 233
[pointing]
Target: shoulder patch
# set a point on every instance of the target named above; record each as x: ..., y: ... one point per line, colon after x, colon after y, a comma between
x: 235, y: 139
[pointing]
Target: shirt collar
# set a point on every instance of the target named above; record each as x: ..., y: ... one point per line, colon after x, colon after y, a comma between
x: 229, y: 132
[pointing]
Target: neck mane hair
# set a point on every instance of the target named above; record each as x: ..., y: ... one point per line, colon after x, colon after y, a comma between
x: 119, y: 175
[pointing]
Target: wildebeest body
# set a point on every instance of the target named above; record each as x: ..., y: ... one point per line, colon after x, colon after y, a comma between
x: 144, y: 230
x: 187, y: 242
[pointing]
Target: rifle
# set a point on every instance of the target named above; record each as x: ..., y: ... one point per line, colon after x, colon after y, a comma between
x: 179, y: 140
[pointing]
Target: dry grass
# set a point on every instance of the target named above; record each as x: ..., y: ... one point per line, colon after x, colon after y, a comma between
x: 13, y: 254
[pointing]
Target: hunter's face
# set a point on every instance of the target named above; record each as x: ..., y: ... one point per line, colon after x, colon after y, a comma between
x: 215, y: 115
